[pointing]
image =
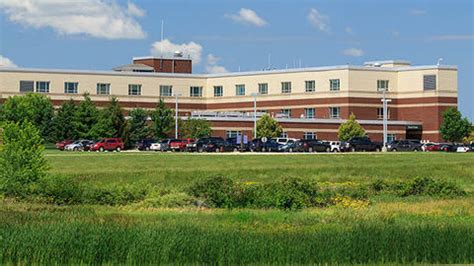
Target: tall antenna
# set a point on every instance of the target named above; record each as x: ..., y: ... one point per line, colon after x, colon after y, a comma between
x: 269, y: 61
x: 162, y: 22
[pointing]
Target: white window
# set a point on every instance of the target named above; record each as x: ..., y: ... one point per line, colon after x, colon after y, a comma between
x: 286, y: 87
x: 380, y: 113
x: 391, y: 137
x: 286, y: 112
x: 309, y: 113
x: 284, y: 135
x: 166, y: 90
x: 382, y: 85
x: 309, y: 135
x: 429, y: 82
x: 70, y: 87
x: 334, y: 84
x: 218, y: 91
x: 195, y: 91
x: 233, y: 133
x: 103, y: 88
x: 240, y: 89
x: 334, y: 112
x: 263, y: 88
x: 42, y: 86
x: 135, y: 89
x: 310, y: 86
x: 27, y: 86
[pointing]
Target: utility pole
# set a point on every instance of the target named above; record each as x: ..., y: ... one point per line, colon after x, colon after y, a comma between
x: 385, y: 102
x: 255, y: 94
x: 176, y: 95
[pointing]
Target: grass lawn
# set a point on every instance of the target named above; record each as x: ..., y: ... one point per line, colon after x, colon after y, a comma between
x: 417, y: 229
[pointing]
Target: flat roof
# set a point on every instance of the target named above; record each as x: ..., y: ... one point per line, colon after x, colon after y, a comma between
x: 232, y: 74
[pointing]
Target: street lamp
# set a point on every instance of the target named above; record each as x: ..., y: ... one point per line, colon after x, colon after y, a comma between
x: 254, y: 94
x: 176, y: 95
x: 385, y: 102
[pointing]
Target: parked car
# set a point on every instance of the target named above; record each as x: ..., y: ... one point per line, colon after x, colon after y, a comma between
x: 197, y: 146
x: 315, y: 145
x: 217, y: 145
x: 462, y: 148
x: 291, y: 146
x: 471, y: 147
x: 361, y: 144
x: 163, y: 145
x: 404, y: 145
x: 256, y: 145
x: 430, y: 146
x: 335, y: 146
x: 271, y: 146
x: 284, y: 140
x: 144, y: 144
x: 180, y: 144
x: 238, y: 146
x: 62, y: 144
x: 108, y: 144
x: 79, y: 145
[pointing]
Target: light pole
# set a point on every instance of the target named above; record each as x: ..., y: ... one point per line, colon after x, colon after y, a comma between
x: 254, y: 94
x: 176, y: 95
x: 385, y: 102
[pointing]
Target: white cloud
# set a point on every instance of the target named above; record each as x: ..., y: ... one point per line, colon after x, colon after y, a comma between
x: 134, y: 10
x: 417, y: 12
x: 353, y: 52
x: 349, y: 31
x: 212, y: 66
x: 96, y: 18
x: 247, y: 16
x: 191, y: 49
x: 466, y: 37
x: 5, y: 62
x: 318, y: 20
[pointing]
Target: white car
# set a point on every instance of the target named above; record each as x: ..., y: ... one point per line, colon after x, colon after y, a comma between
x: 284, y: 141
x: 335, y: 146
x: 462, y: 149
x: 77, y: 145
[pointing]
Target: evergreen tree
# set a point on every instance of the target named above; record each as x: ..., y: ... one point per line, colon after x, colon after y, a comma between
x: 268, y: 127
x: 350, y: 129
x: 162, y: 120
x: 64, y: 123
x: 35, y: 108
x: 195, y: 128
x: 454, y: 127
x: 111, y: 122
x: 138, y: 126
x: 86, y: 117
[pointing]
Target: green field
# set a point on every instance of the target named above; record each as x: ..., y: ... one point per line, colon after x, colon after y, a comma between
x: 390, y: 229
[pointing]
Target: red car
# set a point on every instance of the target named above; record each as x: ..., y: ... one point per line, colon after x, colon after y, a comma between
x: 433, y: 147
x: 62, y: 144
x: 180, y: 144
x: 111, y: 144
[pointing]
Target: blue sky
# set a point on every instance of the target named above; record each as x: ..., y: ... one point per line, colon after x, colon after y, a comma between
x: 228, y: 35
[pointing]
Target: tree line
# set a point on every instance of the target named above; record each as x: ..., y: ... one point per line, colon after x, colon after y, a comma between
x: 84, y: 120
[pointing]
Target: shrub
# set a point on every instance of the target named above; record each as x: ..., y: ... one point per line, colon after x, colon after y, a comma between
x: 21, y: 158
x: 169, y: 200
x: 61, y: 190
x: 419, y: 186
x: 115, y: 194
x: 220, y: 192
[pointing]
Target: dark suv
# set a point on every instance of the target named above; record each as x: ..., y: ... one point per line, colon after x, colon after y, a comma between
x: 315, y: 145
x: 144, y: 144
x: 361, y: 144
x: 404, y: 145
x: 199, y: 144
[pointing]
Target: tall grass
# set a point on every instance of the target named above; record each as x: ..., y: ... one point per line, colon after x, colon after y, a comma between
x: 60, y: 236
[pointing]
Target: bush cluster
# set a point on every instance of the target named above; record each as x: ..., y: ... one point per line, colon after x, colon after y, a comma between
x: 419, y: 186
x: 288, y: 194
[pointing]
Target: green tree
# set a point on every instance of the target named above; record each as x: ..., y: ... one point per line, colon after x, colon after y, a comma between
x: 195, y: 128
x: 35, y: 108
x: 86, y: 117
x: 64, y: 123
x: 111, y: 122
x: 454, y: 127
x: 21, y: 158
x: 268, y: 127
x: 162, y: 120
x: 138, y: 126
x: 351, y: 128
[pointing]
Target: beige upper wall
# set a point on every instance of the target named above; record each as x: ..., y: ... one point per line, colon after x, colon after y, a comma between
x: 358, y: 82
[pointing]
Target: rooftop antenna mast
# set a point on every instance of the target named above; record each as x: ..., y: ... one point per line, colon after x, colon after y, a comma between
x: 269, y: 61
x: 161, y: 45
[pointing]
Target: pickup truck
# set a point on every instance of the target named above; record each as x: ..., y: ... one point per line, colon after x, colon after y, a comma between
x: 180, y: 144
x: 361, y: 144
